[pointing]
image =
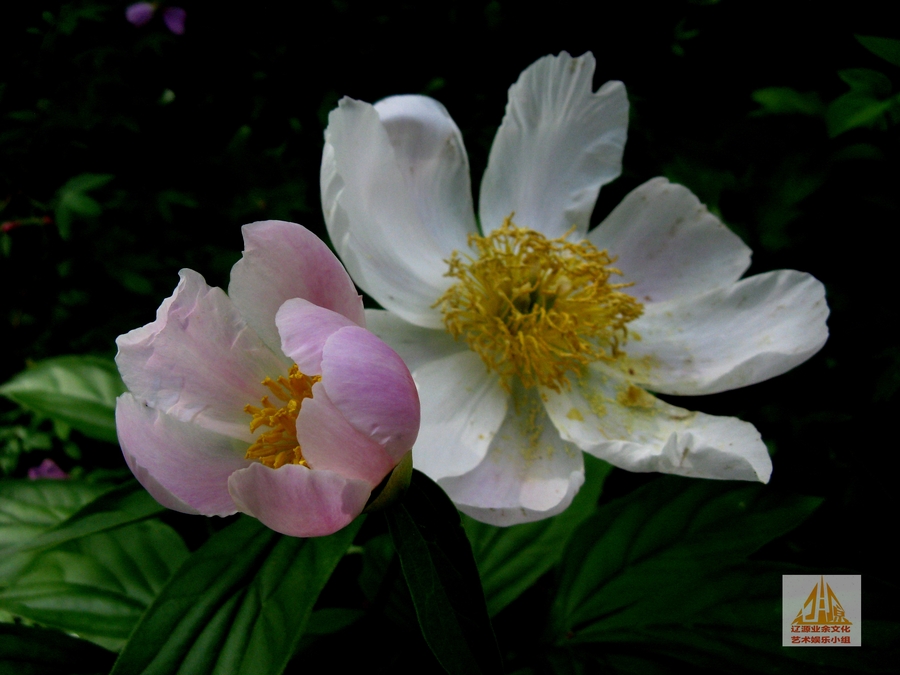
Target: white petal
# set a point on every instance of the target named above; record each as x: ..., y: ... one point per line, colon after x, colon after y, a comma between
x: 429, y: 150
x: 529, y: 472
x: 381, y: 225
x: 558, y: 144
x: 611, y: 419
x: 199, y: 361
x: 668, y: 245
x: 753, y: 330
x: 462, y: 407
x: 415, y: 345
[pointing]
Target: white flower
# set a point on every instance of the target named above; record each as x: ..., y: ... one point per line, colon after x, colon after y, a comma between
x: 550, y: 359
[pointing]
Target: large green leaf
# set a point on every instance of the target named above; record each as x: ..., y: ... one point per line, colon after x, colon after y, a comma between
x: 29, y: 508
x: 436, y: 559
x: 511, y: 559
x: 78, y: 390
x: 26, y: 650
x: 125, y: 504
x: 657, y: 539
x: 97, y: 586
x: 238, y: 605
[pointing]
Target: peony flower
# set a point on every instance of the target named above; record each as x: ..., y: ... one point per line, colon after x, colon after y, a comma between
x: 273, y: 400
x: 530, y: 338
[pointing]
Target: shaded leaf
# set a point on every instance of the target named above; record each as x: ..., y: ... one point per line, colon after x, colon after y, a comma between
x: 866, y: 81
x: 442, y: 577
x: 854, y: 110
x: 886, y: 48
x: 728, y: 621
x: 86, y: 182
x: 238, y: 605
x: 785, y: 100
x: 656, y: 539
x: 26, y: 650
x: 511, y: 559
x: 80, y: 391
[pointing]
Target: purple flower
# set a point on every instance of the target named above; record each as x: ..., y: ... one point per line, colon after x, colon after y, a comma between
x: 140, y: 14
x: 47, y: 469
x: 174, y: 18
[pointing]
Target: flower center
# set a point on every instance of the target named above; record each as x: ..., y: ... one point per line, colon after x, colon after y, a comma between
x: 279, y: 445
x: 534, y: 308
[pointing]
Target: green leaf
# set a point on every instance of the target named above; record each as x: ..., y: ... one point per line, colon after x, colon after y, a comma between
x: 86, y: 182
x: 442, y: 577
x: 784, y: 100
x: 80, y: 391
x: 886, y: 48
x: 658, y: 538
x: 866, y: 81
x: 81, y: 204
x: 26, y: 650
x: 97, y: 586
x: 511, y: 559
x: 238, y: 605
x: 29, y: 508
x: 854, y: 110
x: 128, y: 503
x: 72, y: 201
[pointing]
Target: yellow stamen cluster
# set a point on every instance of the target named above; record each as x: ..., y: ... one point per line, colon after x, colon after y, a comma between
x: 279, y: 446
x: 535, y: 308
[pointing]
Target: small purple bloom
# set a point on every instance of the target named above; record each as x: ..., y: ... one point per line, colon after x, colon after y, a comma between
x: 174, y: 18
x: 47, y: 469
x: 140, y: 13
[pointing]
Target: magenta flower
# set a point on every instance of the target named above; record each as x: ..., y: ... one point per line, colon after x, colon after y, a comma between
x: 273, y: 400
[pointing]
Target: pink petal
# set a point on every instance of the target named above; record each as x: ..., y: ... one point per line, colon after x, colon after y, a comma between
x: 330, y: 443
x: 184, y: 466
x: 139, y: 13
x: 304, y: 329
x: 174, y: 18
x: 297, y: 501
x: 199, y: 361
x: 283, y: 261
x: 371, y: 386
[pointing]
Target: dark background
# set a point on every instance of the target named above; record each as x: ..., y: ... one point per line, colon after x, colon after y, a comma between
x: 223, y: 125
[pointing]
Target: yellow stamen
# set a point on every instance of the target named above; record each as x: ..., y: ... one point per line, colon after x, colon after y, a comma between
x: 534, y: 308
x: 279, y: 446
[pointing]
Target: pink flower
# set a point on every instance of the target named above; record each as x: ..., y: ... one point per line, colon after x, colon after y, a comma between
x: 273, y: 400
